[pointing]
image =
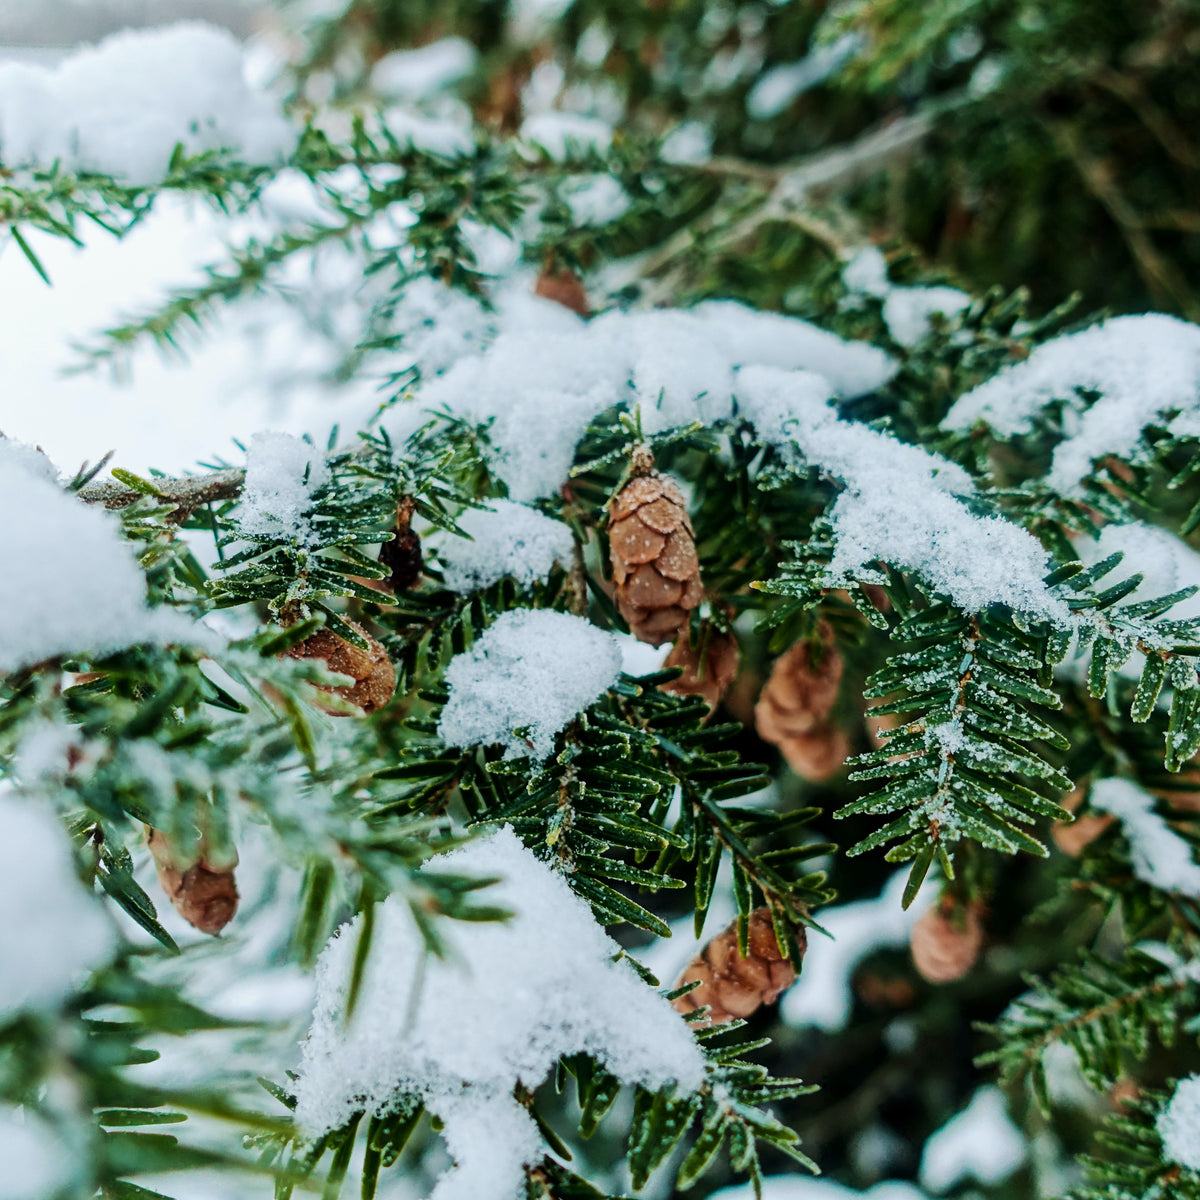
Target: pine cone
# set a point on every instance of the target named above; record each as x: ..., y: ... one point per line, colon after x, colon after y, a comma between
x: 402, y: 554
x: 371, y: 669
x: 801, y: 693
x: 945, y: 942
x: 1072, y: 836
x: 708, y: 669
x: 203, y: 891
x: 562, y: 285
x: 654, y: 560
x: 732, y: 986
x: 818, y: 755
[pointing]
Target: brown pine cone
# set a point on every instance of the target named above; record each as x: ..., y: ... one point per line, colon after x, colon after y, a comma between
x: 946, y: 941
x: 202, y: 890
x: 654, y: 560
x: 371, y: 669
x: 818, y: 755
x: 732, y: 986
x: 402, y: 554
x: 1072, y: 836
x: 708, y: 669
x: 562, y: 285
x: 802, y: 690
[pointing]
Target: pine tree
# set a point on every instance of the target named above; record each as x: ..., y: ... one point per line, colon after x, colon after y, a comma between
x: 758, y: 492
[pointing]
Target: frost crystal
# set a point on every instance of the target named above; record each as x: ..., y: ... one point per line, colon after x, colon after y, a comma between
x: 521, y: 684
x: 981, y: 1143
x: 121, y: 107
x: 1140, y: 367
x: 508, y: 539
x: 460, y: 1032
x: 282, y: 474
x: 1179, y: 1124
x: 1161, y: 857
x: 44, y: 907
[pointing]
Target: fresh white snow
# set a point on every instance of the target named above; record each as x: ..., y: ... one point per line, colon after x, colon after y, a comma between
x: 505, y: 539
x: 37, y: 1162
x: 45, y: 906
x: 121, y: 107
x: 282, y: 475
x: 1142, y: 368
x: 522, y: 993
x: 530, y: 673
x: 981, y: 1143
x: 1179, y: 1124
x: 1161, y: 857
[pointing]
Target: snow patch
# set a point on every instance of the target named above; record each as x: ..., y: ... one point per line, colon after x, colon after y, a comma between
x: 283, y: 474
x: 523, y: 993
x: 980, y: 1143
x: 1179, y: 1124
x: 527, y: 677
x: 1161, y: 857
x: 508, y: 539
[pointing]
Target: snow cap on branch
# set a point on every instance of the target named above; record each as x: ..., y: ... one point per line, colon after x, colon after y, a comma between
x: 526, y: 678
x: 70, y: 584
x: 120, y: 108
x: 1141, y: 368
x: 521, y: 993
x: 53, y: 930
x: 505, y: 539
x: 1161, y: 857
x: 1179, y: 1124
x: 282, y: 474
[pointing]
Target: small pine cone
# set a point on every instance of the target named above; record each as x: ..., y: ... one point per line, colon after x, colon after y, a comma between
x: 1071, y: 837
x: 801, y: 693
x: 818, y: 755
x: 371, y: 669
x: 402, y: 554
x: 945, y: 943
x: 732, y: 986
x: 562, y: 285
x: 654, y: 560
x: 708, y: 669
x: 203, y: 891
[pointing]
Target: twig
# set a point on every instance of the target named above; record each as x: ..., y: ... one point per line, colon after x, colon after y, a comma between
x: 187, y: 493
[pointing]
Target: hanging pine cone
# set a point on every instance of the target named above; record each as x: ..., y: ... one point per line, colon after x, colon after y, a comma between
x: 402, y: 553
x: 708, y: 669
x: 654, y: 560
x: 371, y: 669
x: 732, y: 986
x: 794, y: 709
x: 199, y: 883
x: 946, y: 941
x: 563, y: 286
x: 801, y: 692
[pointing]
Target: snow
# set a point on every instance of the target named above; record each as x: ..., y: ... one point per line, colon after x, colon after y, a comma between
x: 907, y: 311
x: 44, y: 905
x: 1179, y: 1124
x: 1142, y: 367
x: 980, y: 1143
x: 509, y: 539
x: 798, y: 1187
x: 595, y: 199
x: 777, y: 87
x: 899, y: 505
x: 522, y: 993
x: 283, y: 473
x: 822, y: 997
x: 70, y: 584
x: 448, y: 135
x: 36, y: 1162
x: 415, y: 74
x: 525, y: 679
x: 546, y: 375
x: 121, y: 107
x: 1161, y: 857
x: 689, y: 144
x: 562, y: 135
x: 1166, y: 562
